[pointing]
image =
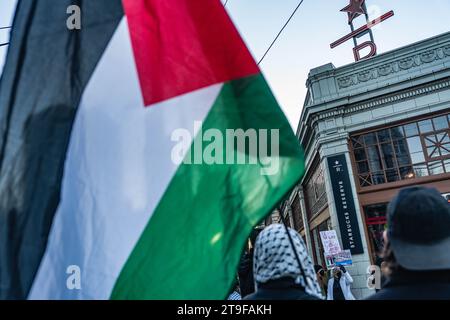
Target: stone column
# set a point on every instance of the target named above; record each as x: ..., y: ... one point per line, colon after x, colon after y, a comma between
x: 360, y: 261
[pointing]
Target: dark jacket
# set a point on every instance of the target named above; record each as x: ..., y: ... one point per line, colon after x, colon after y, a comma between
x: 245, y: 273
x: 280, y: 289
x: 409, y: 285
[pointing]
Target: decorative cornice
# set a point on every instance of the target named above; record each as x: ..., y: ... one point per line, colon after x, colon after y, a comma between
x: 378, y: 102
x: 406, y: 63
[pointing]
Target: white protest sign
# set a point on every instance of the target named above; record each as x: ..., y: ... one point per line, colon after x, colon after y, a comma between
x: 343, y: 258
x: 330, y: 242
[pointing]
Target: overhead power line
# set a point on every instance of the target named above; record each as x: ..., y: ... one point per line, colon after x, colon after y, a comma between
x: 1, y: 28
x: 225, y: 4
x: 4, y: 44
x: 281, y: 31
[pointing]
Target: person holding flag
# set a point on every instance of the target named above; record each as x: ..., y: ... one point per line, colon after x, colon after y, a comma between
x: 92, y: 205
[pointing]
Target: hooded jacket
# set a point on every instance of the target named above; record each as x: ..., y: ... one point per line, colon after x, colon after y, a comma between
x: 276, y: 271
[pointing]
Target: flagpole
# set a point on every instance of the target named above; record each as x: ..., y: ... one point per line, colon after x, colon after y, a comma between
x: 293, y: 247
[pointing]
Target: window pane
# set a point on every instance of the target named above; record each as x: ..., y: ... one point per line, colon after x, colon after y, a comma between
x: 435, y: 168
x: 365, y: 180
x: 370, y: 139
x: 447, y: 165
x: 433, y: 152
x: 411, y: 130
x: 426, y: 126
x: 415, y: 148
x: 363, y: 167
x: 357, y: 142
x: 360, y: 154
x: 417, y: 157
x: 442, y: 137
x: 397, y: 133
x: 437, y: 144
x: 373, y: 155
x: 388, y: 155
x: 445, y: 138
x: 430, y: 140
x: 384, y: 136
x: 392, y: 175
x: 378, y: 178
x: 376, y: 224
x: 414, y: 145
x: 406, y: 173
x: 440, y: 123
x: 445, y: 150
x: 401, y: 151
x: 420, y: 170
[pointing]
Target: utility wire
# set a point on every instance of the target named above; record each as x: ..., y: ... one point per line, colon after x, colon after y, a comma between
x: 1, y: 28
x: 281, y: 31
x: 225, y: 3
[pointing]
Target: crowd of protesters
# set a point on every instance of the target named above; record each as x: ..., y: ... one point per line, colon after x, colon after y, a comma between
x: 416, y: 258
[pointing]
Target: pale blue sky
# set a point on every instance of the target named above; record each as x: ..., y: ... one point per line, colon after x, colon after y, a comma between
x: 305, y: 42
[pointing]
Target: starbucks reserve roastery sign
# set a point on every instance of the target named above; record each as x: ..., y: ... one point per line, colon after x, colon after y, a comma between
x: 345, y: 205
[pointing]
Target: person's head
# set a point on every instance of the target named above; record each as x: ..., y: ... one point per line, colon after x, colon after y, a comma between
x: 274, y: 259
x: 418, y: 233
x: 320, y: 273
x: 319, y: 270
x: 337, y: 272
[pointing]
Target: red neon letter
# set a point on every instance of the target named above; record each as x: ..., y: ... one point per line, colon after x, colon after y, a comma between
x: 358, y: 48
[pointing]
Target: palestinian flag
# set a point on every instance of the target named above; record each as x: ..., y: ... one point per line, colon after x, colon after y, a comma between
x: 93, y: 125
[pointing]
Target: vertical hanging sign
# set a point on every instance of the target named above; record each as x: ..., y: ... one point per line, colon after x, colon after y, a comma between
x: 345, y: 204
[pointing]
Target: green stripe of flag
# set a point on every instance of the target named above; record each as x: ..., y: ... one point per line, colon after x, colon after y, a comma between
x: 191, y: 246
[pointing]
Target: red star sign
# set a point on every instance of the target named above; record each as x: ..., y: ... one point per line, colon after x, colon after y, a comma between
x: 354, y: 9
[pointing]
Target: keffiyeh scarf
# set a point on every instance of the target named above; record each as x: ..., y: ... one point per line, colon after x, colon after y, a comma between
x: 275, y: 259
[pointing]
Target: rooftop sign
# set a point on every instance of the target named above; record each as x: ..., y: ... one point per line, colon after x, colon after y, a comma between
x: 355, y: 9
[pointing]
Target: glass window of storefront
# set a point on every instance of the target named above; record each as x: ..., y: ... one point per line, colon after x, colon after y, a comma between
x: 414, y: 150
x: 319, y: 257
x: 376, y: 224
x: 316, y: 197
x: 297, y: 214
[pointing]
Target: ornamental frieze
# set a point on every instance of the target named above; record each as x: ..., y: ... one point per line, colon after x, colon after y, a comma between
x: 393, y: 67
